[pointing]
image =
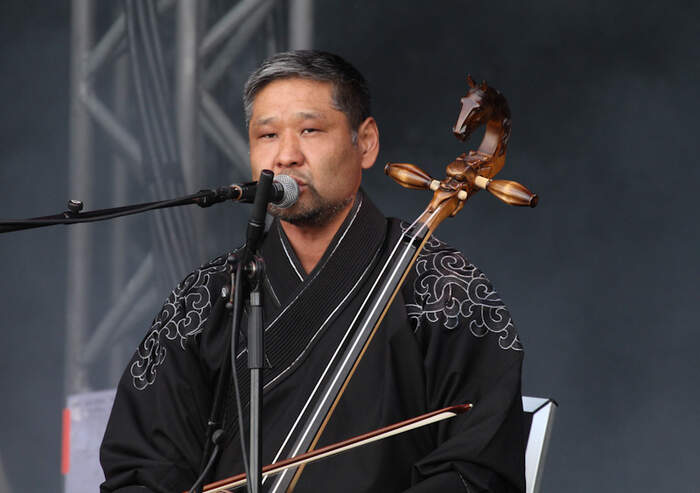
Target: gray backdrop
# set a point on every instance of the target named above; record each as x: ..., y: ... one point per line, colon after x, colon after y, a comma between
x: 601, y: 277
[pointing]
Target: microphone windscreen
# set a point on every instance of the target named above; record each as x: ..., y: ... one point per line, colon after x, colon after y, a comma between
x: 291, y: 191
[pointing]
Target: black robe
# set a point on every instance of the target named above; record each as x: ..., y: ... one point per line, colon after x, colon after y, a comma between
x: 446, y: 339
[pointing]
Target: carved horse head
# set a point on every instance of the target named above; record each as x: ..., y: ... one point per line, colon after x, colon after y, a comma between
x: 484, y: 105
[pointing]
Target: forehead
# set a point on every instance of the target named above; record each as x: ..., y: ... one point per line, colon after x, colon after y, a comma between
x: 293, y: 95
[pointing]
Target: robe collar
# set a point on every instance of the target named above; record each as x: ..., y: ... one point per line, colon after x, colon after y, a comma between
x: 310, y: 304
x: 285, y: 274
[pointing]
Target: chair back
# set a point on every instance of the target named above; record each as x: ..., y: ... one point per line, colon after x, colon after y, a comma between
x: 540, y: 415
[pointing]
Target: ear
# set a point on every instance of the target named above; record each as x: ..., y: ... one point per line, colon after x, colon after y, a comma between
x: 368, y: 142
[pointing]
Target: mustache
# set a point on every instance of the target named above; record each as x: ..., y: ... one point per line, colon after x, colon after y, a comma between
x: 305, y: 180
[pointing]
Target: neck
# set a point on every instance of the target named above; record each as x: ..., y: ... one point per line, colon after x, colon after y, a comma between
x: 310, y: 243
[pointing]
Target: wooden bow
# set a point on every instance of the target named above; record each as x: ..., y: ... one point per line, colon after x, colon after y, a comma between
x: 229, y: 484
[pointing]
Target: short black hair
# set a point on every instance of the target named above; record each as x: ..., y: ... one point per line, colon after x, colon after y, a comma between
x: 350, y: 90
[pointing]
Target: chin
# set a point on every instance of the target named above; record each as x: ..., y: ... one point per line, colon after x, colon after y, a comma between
x: 311, y: 215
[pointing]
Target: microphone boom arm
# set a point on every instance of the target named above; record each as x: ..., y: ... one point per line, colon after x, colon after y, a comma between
x: 285, y: 191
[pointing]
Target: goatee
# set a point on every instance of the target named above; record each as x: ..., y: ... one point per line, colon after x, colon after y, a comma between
x: 319, y: 212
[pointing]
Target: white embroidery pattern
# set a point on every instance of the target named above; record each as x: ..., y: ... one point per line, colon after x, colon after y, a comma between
x: 451, y: 292
x: 183, y: 316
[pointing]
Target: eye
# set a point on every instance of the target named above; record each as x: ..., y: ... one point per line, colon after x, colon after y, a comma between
x: 269, y: 135
x: 307, y: 131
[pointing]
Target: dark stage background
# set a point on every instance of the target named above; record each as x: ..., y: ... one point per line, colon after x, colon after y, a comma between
x: 601, y: 278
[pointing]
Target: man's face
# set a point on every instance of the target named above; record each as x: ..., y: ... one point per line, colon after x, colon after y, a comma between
x: 296, y: 131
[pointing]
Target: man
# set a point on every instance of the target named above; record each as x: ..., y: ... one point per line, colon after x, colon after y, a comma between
x: 447, y: 338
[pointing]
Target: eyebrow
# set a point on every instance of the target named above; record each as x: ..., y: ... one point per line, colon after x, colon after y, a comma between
x: 301, y: 115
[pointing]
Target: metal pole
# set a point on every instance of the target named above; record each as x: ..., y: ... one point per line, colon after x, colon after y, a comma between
x: 187, y: 75
x: 120, y: 186
x: 80, y: 184
x: 224, y: 126
x: 124, y: 142
x: 223, y: 60
x: 301, y: 24
x: 228, y: 23
x: 186, y: 83
x: 135, y: 288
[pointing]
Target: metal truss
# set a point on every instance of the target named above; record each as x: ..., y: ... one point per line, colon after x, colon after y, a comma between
x: 162, y: 100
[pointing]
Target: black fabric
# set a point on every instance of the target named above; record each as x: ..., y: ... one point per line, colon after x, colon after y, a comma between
x: 291, y: 333
x: 289, y: 336
x: 446, y: 339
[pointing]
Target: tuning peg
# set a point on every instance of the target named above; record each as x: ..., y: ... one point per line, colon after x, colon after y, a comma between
x: 411, y: 176
x: 510, y: 192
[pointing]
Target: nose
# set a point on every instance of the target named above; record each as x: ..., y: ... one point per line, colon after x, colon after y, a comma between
x: 289, y: 152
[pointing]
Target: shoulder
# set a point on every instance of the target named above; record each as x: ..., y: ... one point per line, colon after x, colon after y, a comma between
x: 182, y: 317
x: 444, y: 291
x: 197, y: 286
x: 193, y: 297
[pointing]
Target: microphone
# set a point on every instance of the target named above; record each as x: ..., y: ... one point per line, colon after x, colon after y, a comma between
x: 284, y: 192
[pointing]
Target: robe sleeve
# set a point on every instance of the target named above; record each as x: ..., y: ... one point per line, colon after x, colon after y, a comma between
x: 156, y: 430
x: 472, y: 354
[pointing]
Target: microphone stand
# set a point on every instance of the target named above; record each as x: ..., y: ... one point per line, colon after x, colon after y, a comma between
x: 256, y: 332
x: 255, y: 268
x: 245, y: 262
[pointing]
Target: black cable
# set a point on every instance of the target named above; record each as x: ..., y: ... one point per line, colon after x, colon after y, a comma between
x: 159, y: 106
x: 149, y: 84
x: 153, y: 138
x: 222, y: 382
x: 138, y: 80
x: 160, y: 60
x: 172, y: 252
x: 217, y: 438
x: 162, y: 89
x: 161, y: 118
x: 235, y: 322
